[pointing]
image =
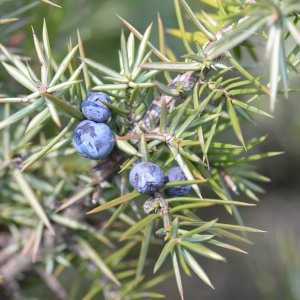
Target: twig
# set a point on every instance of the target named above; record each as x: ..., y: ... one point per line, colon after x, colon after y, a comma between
x: 53, y: 284
x: 186, y: 81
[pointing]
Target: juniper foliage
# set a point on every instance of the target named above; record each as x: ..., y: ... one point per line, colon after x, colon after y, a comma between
x: 60, y: 211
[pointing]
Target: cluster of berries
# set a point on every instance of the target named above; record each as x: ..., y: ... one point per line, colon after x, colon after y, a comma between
x: 148, y: 177
x: 92, y: 137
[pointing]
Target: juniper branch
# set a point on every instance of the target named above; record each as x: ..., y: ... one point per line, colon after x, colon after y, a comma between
x: 186, y: 81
